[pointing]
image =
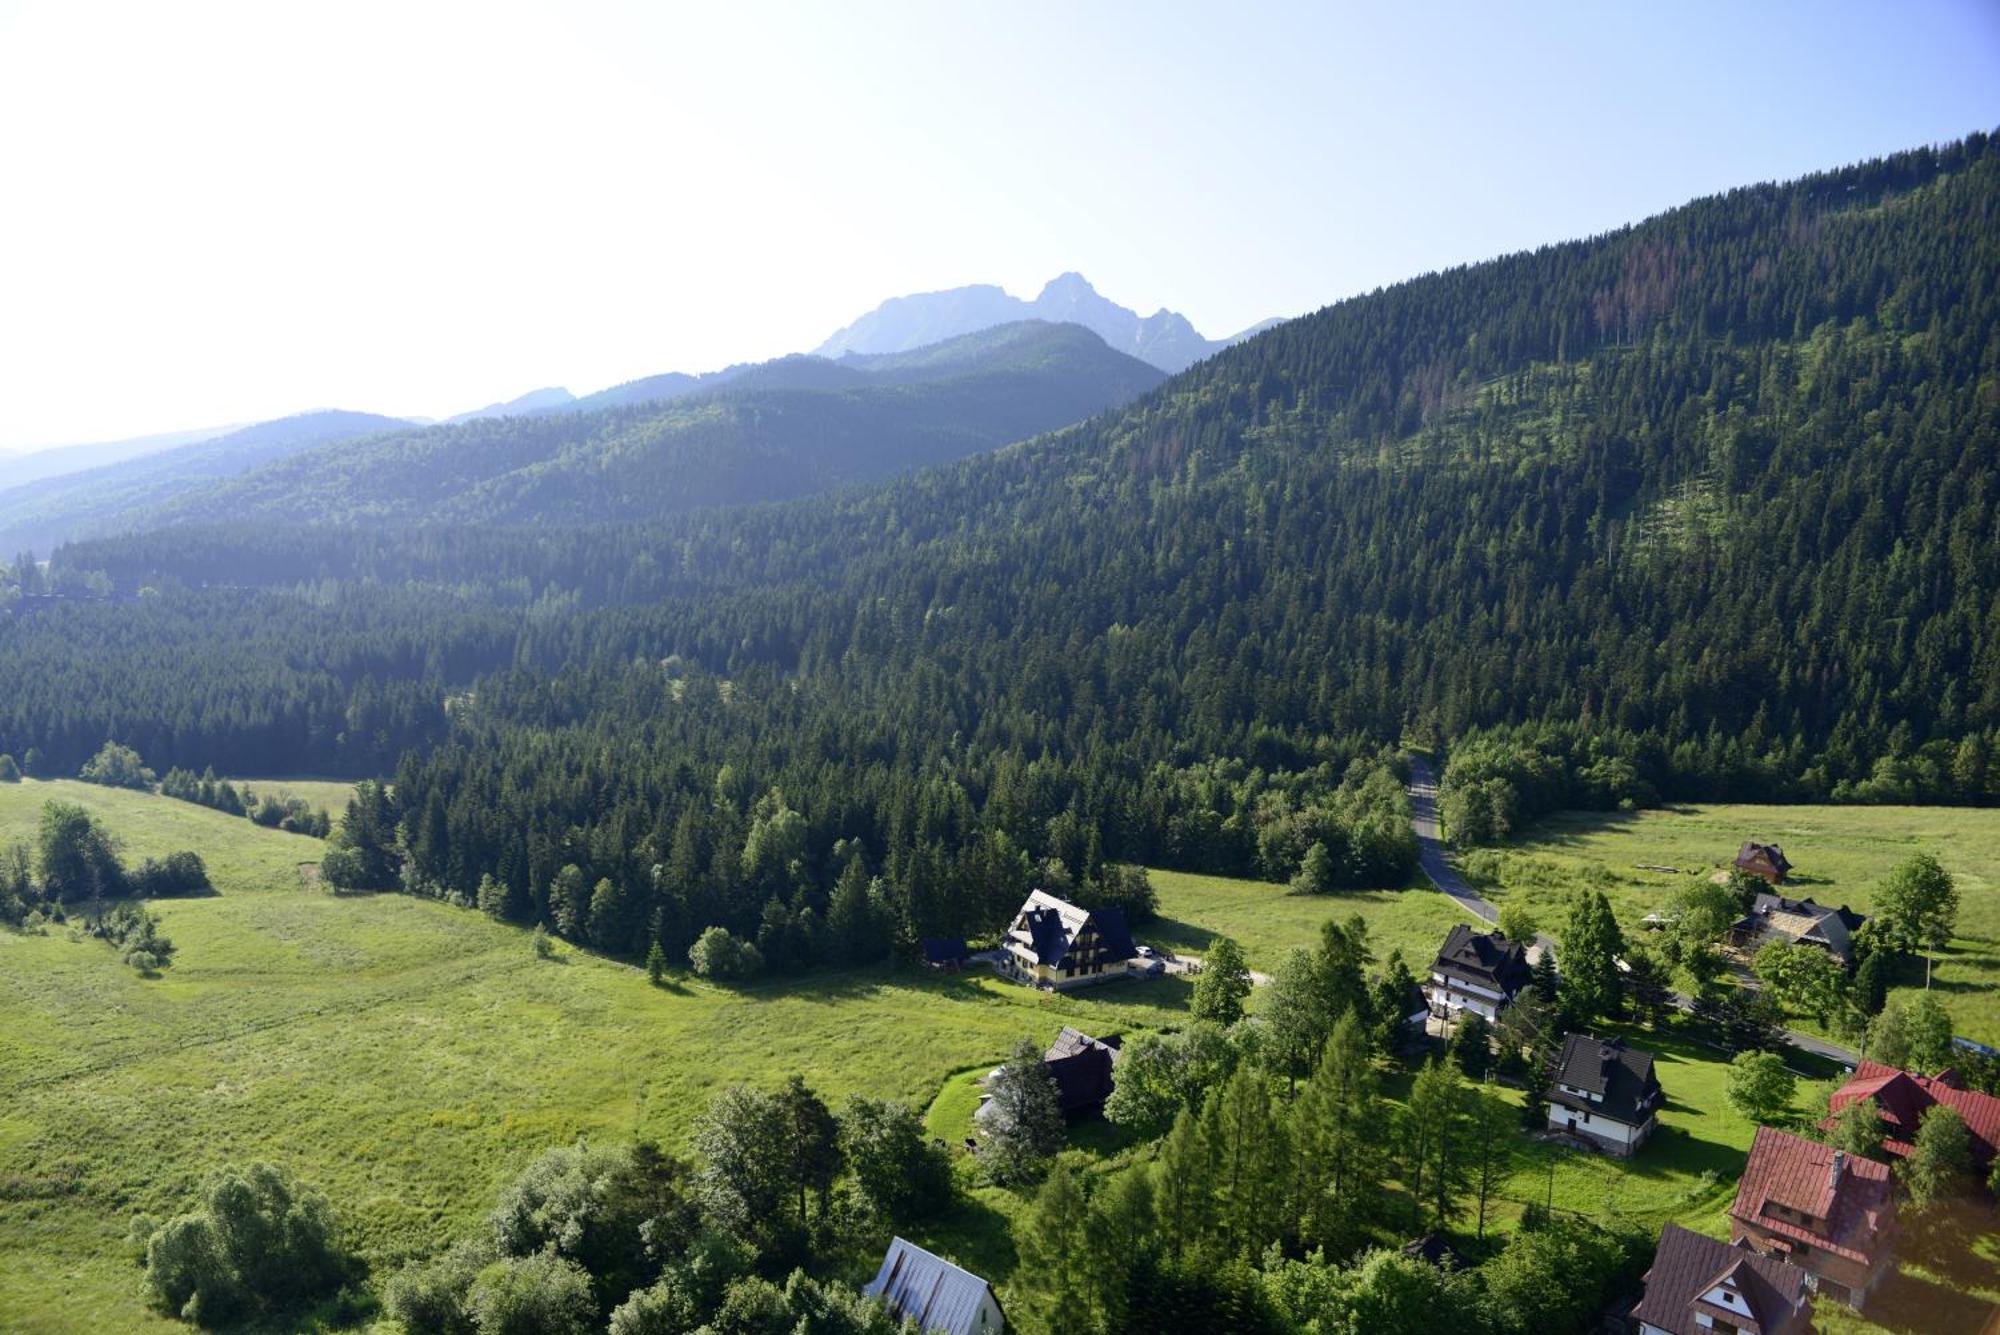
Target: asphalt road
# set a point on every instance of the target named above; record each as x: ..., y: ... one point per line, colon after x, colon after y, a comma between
x: 1437, y: 867
x: 1430, y: 843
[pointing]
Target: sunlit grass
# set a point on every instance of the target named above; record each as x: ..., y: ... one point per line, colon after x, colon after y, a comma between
x: 1838, y: 852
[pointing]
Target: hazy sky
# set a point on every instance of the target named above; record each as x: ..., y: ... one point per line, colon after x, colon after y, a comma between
x: 218, y: 213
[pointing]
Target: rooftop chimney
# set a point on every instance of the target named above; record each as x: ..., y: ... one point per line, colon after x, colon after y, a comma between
x: 1833, y: 1174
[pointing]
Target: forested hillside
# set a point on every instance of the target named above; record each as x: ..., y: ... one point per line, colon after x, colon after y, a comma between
x: 1707, y: 505
x: 772, y: 432
x: 41, y: 512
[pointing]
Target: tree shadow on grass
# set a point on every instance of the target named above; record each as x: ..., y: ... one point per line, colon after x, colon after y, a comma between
x: 1171, y: 992
x: 1572, y: 829
x: 1914, y: 1304
x: 973, y: 1234
x: 1177, y: 935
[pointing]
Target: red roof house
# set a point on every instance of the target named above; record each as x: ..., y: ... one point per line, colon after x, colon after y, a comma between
x: 1903, y: 1098
x: 1831, y: 1214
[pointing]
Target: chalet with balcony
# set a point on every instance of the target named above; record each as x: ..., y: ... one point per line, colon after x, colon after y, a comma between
x: 1476, y: 971
x: 1830, y: 1214
x: 1055, y: 944
x: 1605, y: 1093
x: 1702, y: 1286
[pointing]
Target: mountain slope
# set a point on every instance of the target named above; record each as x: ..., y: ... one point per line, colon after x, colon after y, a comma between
x: 783, y: 429
x: 1710, y: 505
x: 22, y: 467
x: 1163, y: 339
x: 552, y: 399
x: 41, y: 513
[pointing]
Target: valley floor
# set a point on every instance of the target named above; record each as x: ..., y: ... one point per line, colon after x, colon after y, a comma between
x: 409, y: 1058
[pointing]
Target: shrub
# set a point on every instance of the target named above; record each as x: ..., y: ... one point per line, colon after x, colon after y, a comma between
x: 258, y: 1244
x: 176, y: 876
x: 541, y: 1294
x: 723, y: 957
x: 343, y: 869
x: 117, y: 766
x: 9, y: 771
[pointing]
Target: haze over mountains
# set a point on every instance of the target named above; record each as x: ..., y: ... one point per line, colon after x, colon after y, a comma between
x: 67, y: 492
x: 20, y: 466
x: 40, y: 513
x: 1165, y: 338
x: 1714, y: 492
x: 638, y: 451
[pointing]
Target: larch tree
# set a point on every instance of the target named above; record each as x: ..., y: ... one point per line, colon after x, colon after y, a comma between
x: 1223, y: 984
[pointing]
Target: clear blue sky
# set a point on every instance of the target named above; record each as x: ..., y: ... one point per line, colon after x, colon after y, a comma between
x: 223, y: 213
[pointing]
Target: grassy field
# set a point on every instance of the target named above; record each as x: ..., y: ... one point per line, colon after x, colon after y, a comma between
x: 332, y: 794
x: 1268, y: 923
x: 409, y: 1058
x: 1838, y: 853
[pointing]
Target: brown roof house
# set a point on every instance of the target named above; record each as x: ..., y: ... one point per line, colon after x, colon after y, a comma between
x: 1765, y: 860
x: 1702, y: 1286
x: 1476, y: 971
x: 1082, y: 1069
x: 1605, y: 1093
x: 1774, y: 918
x: 1905, y: 1098
x: 1081, y: 1066
x: 1833, y: 1215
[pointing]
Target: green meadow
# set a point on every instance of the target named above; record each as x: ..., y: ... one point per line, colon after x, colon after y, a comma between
x: 1838, y: 855
x: 408, y: 1057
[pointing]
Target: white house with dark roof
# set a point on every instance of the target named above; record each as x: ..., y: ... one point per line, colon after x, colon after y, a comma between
x: 1054, y: 943
x: 1605, y: 1093
x: 1476, y: 971
x: 916, y: 1285
x: 1702, y: 1286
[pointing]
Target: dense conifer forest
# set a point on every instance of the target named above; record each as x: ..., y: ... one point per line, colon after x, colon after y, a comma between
x: 1705, y: 507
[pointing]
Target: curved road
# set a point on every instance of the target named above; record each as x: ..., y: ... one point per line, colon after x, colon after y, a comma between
x: 1437, y: 867
x: 1430, y: 843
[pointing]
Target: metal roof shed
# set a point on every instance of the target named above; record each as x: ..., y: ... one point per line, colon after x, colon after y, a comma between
x: 934, y: 1293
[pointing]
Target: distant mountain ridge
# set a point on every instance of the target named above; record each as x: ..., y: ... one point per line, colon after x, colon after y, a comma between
x: 40, y: 513
x: 653, y: 447
x: 1164, y: 339
x: 22, y: 466
x: 534, y: 401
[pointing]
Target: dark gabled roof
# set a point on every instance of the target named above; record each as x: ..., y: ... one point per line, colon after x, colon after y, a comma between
x: 1849, y: 1194
x: 1624, y: 1076
x: 1051, y: 926
x: 943, y: 950
x: 1082, y: 1068
x: 1832, y: 928
x: 1433, y: 1250
x: 1770, y: 854
x: 1688, y: 1265
x: 1485, y: 957
x: 1113, y: 936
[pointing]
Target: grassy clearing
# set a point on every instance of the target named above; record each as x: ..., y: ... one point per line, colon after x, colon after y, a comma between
x: 1839, y: 854
x: 332, y: 794
x: 241, y: 857
x: 1268, y: 922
